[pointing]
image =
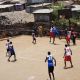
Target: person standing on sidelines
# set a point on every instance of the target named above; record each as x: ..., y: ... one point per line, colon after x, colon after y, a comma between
x: 51, y: 63
x: 73, y: 38
x: 34, y: 37
x: 7, y: 47
x: 11, y: 52
x: 67, y: 56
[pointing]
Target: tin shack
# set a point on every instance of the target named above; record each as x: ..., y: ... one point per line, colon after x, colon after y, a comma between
x: 43, y: 20
x: 43, y: 17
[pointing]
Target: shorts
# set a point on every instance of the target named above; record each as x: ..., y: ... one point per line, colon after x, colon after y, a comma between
x: 52, y: 34
x: 7, y: 50
x: 67, y: 58
x: 12, y: 53
x: 34, y: 38
x: 50, y: 69
x: 67, y: 39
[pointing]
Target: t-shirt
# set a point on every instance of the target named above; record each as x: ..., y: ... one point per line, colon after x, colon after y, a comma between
x: 7, y: 45
x: 11, y: 49
x: 55, y: 30
x: 69, y: 34
x: 68, y: 51
x: 50, y: 60
x: 33, y: 35
x: 51, y: 29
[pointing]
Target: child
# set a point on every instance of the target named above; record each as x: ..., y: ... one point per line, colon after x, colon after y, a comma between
x: 51, y: 64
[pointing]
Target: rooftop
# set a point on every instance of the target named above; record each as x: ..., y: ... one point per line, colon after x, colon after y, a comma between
x: 76, y: 7
x: 2, y: 2
x: 66, y: 3
x: 38, y: 5
x: 6, y: 6
x: 18, y: 16
x: 20, y: 1
x: 12, y: 1
x: 43, y: 11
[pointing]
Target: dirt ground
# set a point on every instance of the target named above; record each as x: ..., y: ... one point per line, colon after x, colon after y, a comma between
x: 30, y: 63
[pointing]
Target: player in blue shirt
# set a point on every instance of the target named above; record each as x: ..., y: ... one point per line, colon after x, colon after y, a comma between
x: 51, y: 63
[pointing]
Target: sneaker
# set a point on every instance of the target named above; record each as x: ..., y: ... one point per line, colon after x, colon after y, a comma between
x: 49, y: 41
x: 8, y: 60
x: 64, y: 67
x: 71, y: 66
x: 15, y: 60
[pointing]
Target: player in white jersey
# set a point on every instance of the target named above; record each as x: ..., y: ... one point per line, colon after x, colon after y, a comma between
x: 67, y: 55
x: 7, y: 46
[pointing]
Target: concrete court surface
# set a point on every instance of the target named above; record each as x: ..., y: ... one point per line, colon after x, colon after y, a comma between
x: 30, y: 63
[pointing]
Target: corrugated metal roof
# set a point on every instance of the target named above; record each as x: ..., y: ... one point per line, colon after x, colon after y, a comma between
x: 5, y: 6
x: 2, y: 2
x: 76, y: 8
x: 13, y: 1
x: 66, y: 3
x: 20, y: 1
x: 43, y: 11
x: 38, y: 5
